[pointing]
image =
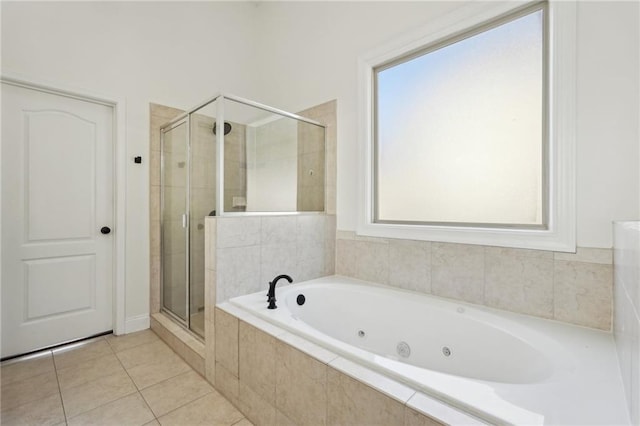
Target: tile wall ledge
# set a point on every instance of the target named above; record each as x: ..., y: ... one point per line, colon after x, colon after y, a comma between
x: 409, y: 397
x: 252, y: 320
x: 382, y: 383
x: 602, y: 256
x: 438, y: 410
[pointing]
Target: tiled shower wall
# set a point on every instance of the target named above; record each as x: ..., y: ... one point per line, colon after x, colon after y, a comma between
x: 235, y: 167
x: 326, y: 114
x: 574, y: 288
x: 235, y: 185
x: 626, y: 323
x: 311, y: 170
x: 245, y: 253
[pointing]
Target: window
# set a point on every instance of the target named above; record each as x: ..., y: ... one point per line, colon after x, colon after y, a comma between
x: 465, y: 122
x: 469, y: 133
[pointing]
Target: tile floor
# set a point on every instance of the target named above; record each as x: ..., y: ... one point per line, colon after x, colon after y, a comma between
x: 135, y: 379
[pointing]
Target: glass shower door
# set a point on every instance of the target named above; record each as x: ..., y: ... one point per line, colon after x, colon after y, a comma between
x: 202, y: 184
x: 174, y: 218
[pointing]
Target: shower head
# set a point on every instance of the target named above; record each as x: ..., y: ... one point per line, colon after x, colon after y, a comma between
x: 227, y: 128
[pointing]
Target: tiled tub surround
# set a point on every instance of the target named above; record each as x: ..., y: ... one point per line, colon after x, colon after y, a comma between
x: 626, y: 322
x: 506, y: 368
x: 573, y: 288
x: 277, y: 378
x: 308, y: 240
x: 244, y: 253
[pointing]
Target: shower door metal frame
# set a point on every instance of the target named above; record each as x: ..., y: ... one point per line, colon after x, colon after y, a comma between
x: 185, y: 118
x: 220, y: 149
x: 186, y: 225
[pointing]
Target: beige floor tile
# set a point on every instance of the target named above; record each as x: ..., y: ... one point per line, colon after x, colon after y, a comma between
x: 29, y: 390
x: 148, y: 353
x: 212, y: 409
x: 128, y: 341
x: 146, y: 375
x: 68, y: 357
x: 89, y: 370
x: 98, y: 392
x: 46, y: 411
x: 24, y: 369
x: 173, y: 393
x: 130, y: 410
x: 97, y: 389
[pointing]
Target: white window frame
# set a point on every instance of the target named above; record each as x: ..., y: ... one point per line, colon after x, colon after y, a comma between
x: 560, y: 233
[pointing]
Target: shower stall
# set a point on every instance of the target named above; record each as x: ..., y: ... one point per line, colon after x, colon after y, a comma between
x: 262, y: 161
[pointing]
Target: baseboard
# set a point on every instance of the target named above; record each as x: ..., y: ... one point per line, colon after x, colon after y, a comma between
x: 137, y: 323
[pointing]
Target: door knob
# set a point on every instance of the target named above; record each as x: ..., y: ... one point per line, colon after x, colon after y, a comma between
x: 105, y: 230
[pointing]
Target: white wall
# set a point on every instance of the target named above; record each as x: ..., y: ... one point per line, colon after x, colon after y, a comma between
x: 608, y: 137
x: 295, y: 55
x: 309, y: 54
x: 168, y: 53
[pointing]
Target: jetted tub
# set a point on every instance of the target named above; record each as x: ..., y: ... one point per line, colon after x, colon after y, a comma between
x: 502, y: 367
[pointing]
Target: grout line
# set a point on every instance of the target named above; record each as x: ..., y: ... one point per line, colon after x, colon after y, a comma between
x: 243, y: 418
x: 553, y: 288
x: 148, y: 406
x: 136, y: 385
x: 192, y: 401
x: 484, y: 276
x: 108, y: 402
x: 16, y: 382
x: 134, y: 346
x: 127, y: 373
x: 83, y: 345
x: 148, y: 363
x: 173, y: 377
x: 55, y: 368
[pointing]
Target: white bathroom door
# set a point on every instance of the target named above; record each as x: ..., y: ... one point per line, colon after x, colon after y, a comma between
x: 57, y: 218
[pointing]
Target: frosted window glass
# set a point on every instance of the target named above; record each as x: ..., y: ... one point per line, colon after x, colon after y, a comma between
x: 460, y: 130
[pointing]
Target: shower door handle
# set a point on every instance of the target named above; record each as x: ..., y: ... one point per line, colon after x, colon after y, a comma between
x: 184, y: 220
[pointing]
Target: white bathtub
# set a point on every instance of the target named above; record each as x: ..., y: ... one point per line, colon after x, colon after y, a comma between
x: 501, y: 367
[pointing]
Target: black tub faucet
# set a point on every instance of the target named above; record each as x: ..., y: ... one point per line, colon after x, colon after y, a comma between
x: 271, y: 295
